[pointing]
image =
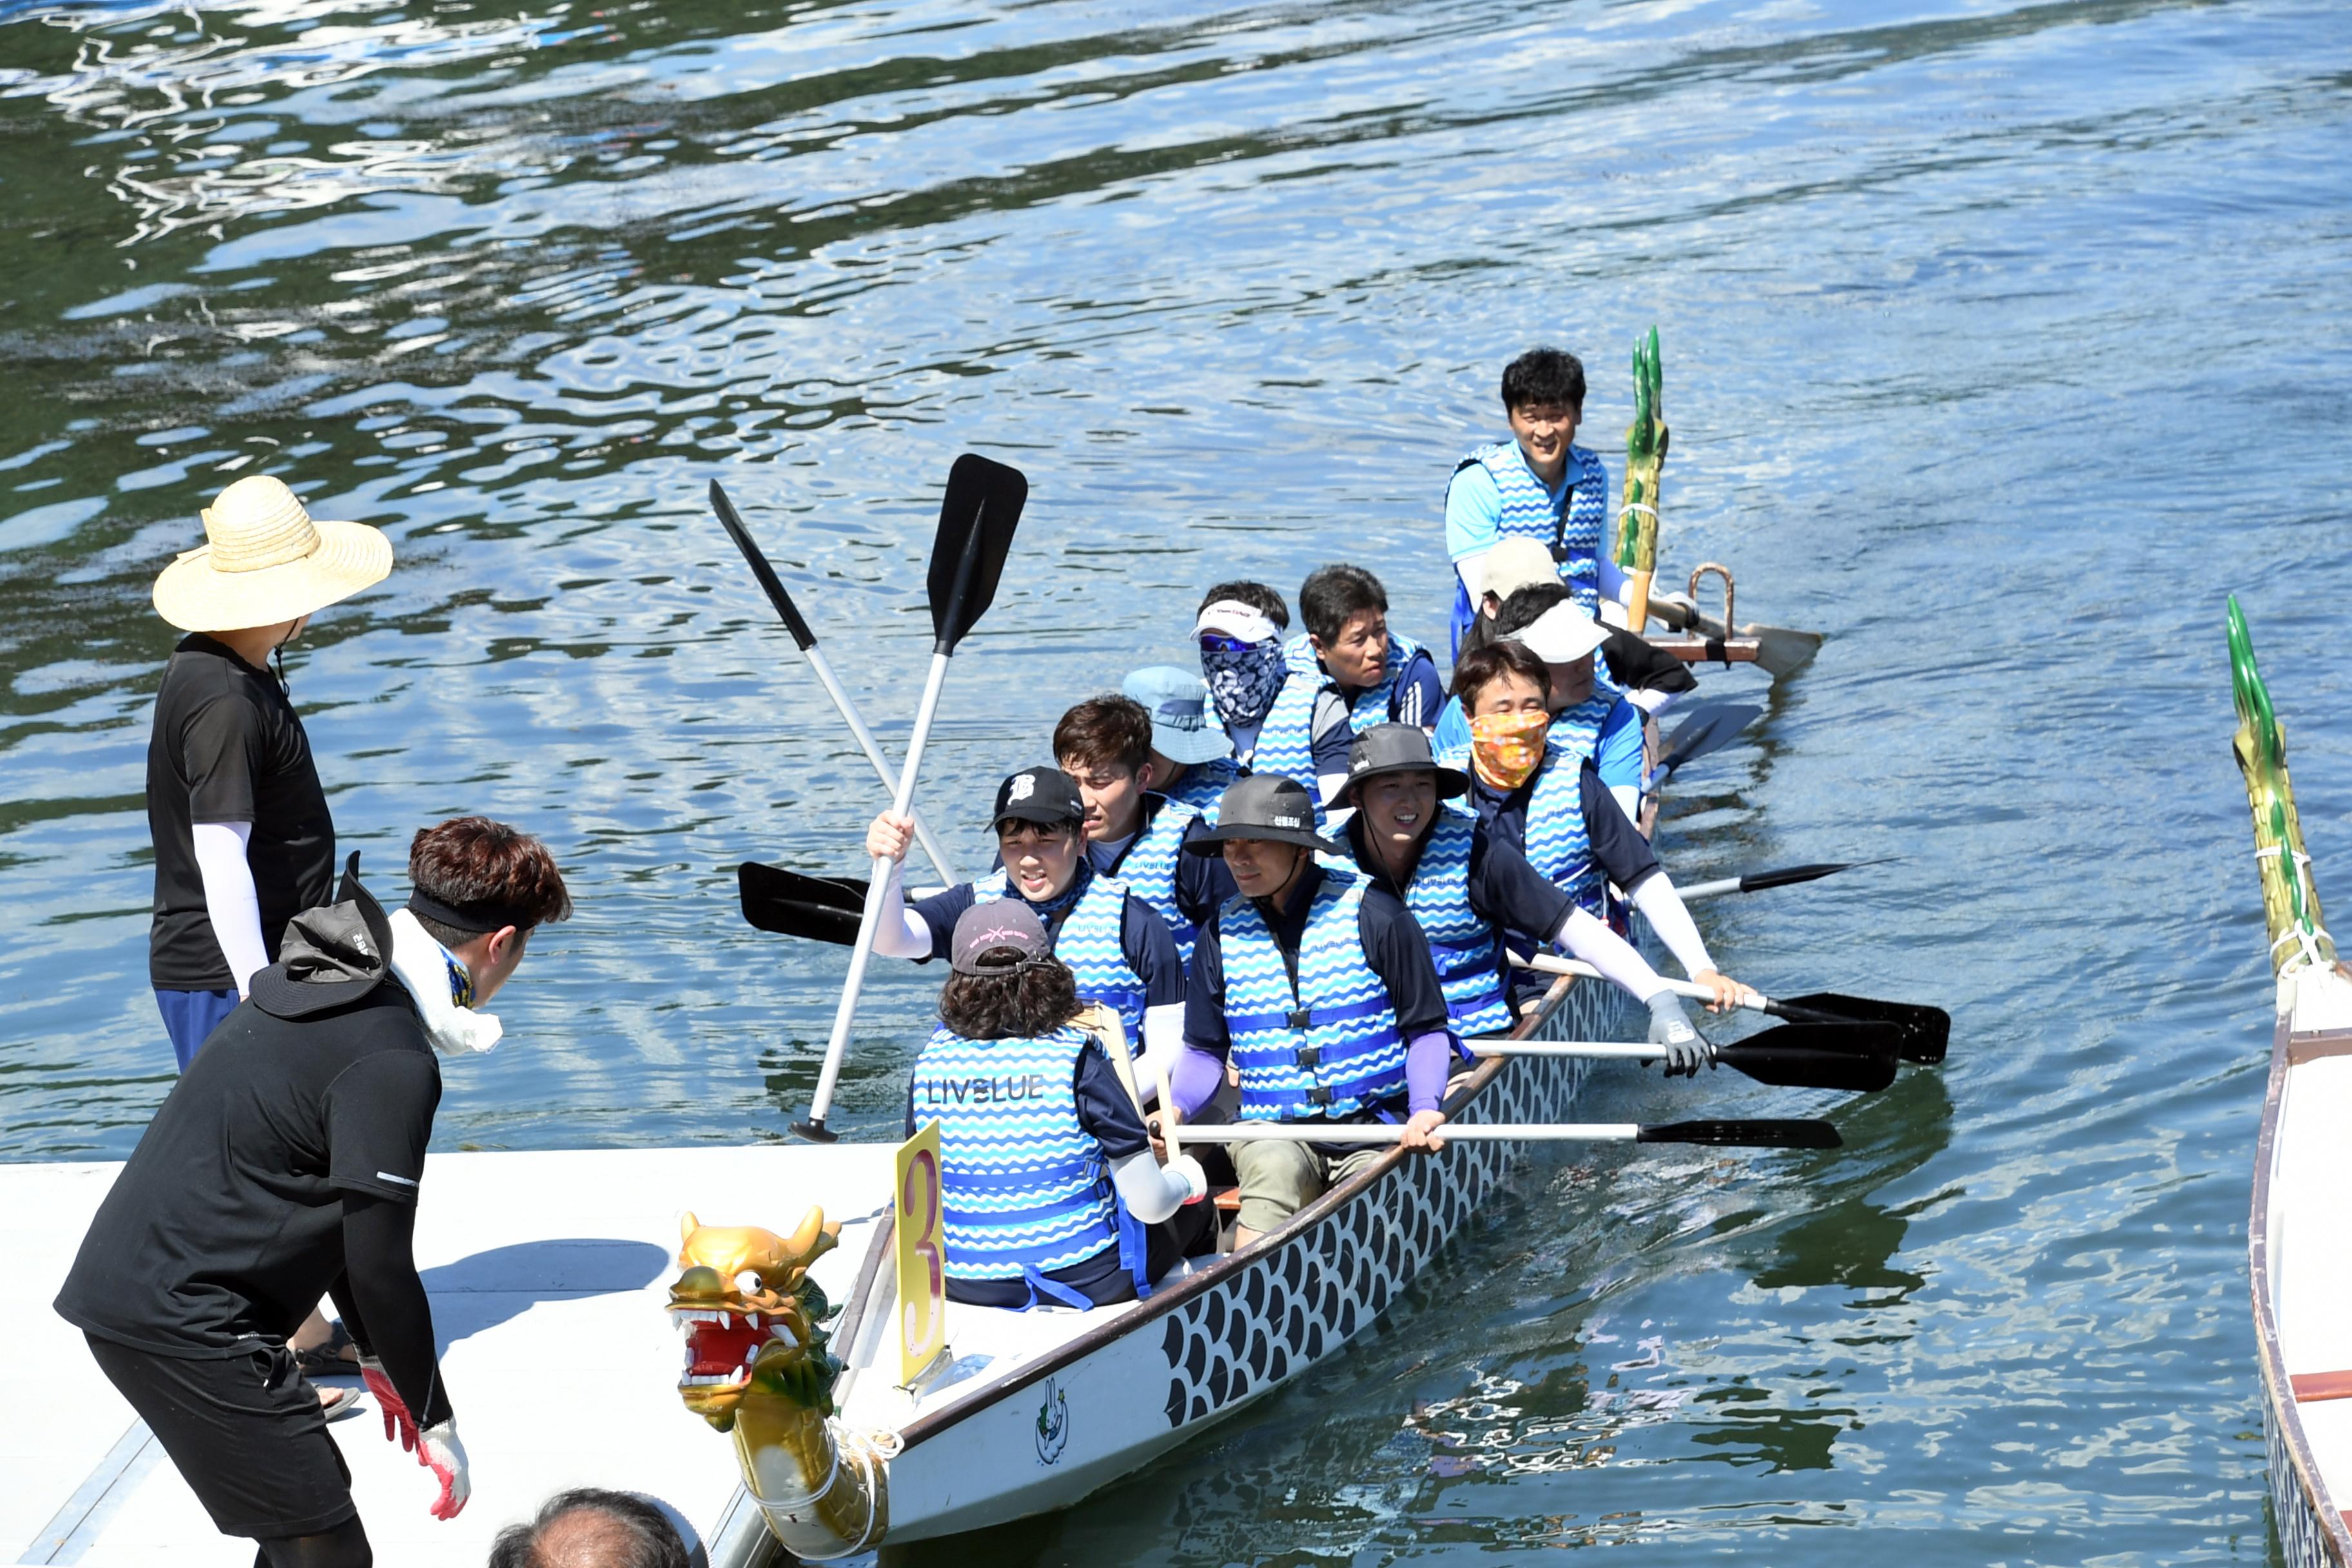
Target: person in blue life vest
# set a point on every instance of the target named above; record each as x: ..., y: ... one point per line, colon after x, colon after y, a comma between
x: 1047, y: 1179
x: 1240, y: 626
x: 1316, y: 987
x: 1464, y: 886
x: 1531, y: 792
x: 1137, y: 835
x: 1518, y: 572
x: 1348, y: 673
x: 1192, y: 755
x: 1538, y: 484
x: 1590, y: 717
x: 1120, y: 949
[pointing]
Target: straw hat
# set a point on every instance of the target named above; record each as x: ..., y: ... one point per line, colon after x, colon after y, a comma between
x: 265, y: 562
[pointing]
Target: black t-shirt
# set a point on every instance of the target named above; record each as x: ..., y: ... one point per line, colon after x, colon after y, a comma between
x: 228, y: 747
x: 225, y: 1226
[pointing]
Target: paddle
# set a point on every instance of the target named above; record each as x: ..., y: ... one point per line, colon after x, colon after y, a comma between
x: 1761, y: 1134
x: 1780, y: 650
x: 799, y: 627
x: 1779, y: 876
x: 1855, y: 1059
x: 822, y: 909
x: 976, y: 521
x: 1710, y: 727
x: 1922, y: 1033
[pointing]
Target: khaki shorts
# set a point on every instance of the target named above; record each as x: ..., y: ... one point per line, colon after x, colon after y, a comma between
x: 1277, y: 1180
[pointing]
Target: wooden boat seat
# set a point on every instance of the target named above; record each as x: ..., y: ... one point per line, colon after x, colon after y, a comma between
x: 1227, y: 1199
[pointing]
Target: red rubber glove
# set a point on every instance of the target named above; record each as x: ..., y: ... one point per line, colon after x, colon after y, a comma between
x: 438, y: 1450
x: 399, y: 1426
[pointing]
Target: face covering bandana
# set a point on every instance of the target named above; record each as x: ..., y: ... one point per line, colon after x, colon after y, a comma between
x: 1244, y: 681
x: 442, y: 994
x: 1508, y: 748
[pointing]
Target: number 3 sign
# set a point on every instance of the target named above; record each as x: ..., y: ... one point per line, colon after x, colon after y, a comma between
x: 922, y: 1254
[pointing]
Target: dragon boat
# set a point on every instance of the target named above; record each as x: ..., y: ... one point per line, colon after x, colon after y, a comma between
x: 2299, y: 1238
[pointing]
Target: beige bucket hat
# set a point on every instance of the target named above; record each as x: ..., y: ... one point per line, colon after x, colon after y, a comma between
x: 265, y: 562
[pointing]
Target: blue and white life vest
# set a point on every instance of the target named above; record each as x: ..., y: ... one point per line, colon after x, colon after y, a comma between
x: 1528, y: 512
x: 1149, y: 868
x: 1087, y: 939
x: 1025, y: 1188
x: 1554, y: 838
x: 1329, y: 1048
x: 1203, y: 786
x: 1469, y: 962
x: 1285, y: 744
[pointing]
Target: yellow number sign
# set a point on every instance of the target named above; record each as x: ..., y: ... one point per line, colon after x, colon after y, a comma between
x: 922, y: 1253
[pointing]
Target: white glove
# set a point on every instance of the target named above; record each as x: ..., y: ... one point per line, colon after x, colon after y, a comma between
x: 1670, y: 1026
x: 438, y: 1450
x: 1196, y: 1180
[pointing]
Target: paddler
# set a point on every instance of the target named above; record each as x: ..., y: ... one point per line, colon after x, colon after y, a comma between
x: 1192, y: 755
x: 1240, y: 628
x: 284, y: 1165
x: 1530, y: 790
x: 1047, y: 1178
x: 1349, y: 673
x: 1538, y: 484
x: 1589, y: 716
x: 1120, y: 949
x: 1651, y: 679
x: 1316, y: 985
x: 1464, y: 886
x: 1134, y: 832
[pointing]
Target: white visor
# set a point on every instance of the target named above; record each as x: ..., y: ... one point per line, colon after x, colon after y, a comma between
x: 1564, y: 635
x: 1228, y: 618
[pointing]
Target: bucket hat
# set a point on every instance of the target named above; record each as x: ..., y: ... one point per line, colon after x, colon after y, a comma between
x: 1183, y: 730
x: 1563, y: 635
x: 331, y: 956
x: 992, y: 927
x: 266, y: 561
x: 1047, y: 796
x: 1514, y: 563
x: 1395, y: 748
x: 1263, y: 806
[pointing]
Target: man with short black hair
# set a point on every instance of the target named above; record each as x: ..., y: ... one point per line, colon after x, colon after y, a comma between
x: 284, y: 1164
x: 1349, y: 673
x: 1134, y: 831
x: 1537, y: 484
x: 588, y: 1527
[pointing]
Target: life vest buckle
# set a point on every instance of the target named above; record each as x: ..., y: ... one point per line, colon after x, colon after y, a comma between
x: 1319, y: 1096
x: 1309, y: 1057
x: 1299, y: 1018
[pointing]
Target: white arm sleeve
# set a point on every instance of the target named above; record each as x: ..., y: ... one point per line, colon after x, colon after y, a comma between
x: 1152, y: 1191
x: 230, y: 902
x: 1628, y: 800
x: 1657, y: 899
x: 1590, y: 939
x: 1164, y: 1041
x: 902, y: 933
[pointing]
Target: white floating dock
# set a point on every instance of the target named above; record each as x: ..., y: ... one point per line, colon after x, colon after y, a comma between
x: 548, y: 1273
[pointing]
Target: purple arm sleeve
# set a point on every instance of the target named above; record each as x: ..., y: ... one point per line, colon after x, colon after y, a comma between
x: 1428, y: 1059
x: 1195, y: 1079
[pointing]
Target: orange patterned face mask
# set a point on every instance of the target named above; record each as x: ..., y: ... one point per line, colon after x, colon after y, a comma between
x: 1508, y: 748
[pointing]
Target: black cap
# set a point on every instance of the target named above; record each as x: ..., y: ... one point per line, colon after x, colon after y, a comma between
x: 1263, y: 806
x: 331, y: 956
x: 1044, y: 795
x: 1395, y: 748
x: 994, y: 926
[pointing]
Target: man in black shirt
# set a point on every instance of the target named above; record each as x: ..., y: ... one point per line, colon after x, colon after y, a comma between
x: 242, y: 838
x: 286, y: 1164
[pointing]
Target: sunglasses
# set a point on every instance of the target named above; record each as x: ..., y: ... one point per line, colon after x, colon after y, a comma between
x: 1217, y: 642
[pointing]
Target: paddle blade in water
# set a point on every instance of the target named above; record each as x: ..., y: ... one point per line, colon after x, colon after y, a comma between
x: 819, y: 908
x: 976, y: 521
x: 1790, y: 875
x: 1862, y: 1063
x: 1798, y: 1134
x: 1710, y: 729
x: 1922, y: 1033
x: 1780, y: 651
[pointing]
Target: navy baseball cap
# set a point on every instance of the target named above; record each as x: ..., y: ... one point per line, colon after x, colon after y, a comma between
x: 1047, y: 796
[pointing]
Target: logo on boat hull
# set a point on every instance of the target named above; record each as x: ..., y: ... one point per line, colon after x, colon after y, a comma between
x: 1053, y: 1424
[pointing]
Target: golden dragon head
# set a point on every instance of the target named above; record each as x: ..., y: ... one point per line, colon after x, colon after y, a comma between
x: 749, y: 1311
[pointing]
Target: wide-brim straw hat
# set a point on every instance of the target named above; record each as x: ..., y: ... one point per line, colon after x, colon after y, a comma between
x: 267, y: 560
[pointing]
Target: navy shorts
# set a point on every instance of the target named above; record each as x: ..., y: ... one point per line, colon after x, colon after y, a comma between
x: 191, y: 1016
x: 247, y: 1434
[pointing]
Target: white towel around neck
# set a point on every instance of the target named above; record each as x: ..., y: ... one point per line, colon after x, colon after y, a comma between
x: 424, y: 965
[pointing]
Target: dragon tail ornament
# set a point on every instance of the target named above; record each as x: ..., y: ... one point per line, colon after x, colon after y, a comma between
x: 1635, y: 546
x: 757, y: 1366
x: 2302, y: 952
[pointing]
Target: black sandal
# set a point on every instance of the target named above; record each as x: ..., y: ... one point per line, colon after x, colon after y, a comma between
x: 327, y: 1360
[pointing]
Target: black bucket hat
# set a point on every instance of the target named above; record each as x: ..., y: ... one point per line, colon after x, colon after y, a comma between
x: 1395, y: 748
x: 1263, y: 806
x: 331, y: 956
x: 1047, y: 796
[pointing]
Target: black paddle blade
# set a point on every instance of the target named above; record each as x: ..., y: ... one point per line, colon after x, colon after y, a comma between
x: 1708, y: 729
x: 1790, y: 875
x: 976, y: 520
x: 821, y: 909
x: 1853, y: 1059
x: 769, y: 581
x: 1798, y: 1134
x: 1922, y: 1033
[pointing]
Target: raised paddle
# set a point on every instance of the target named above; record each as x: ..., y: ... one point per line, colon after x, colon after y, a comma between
x: 976, y: 521
x: 1779, y: 876
x: 1762, y: 1134
x: 1855, y: 1059
x: 799, y: 627
x: 1922, y: 1033
x: 1710, y: 727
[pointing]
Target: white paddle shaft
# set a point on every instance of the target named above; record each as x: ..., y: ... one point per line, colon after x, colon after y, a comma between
x: 1708, y: 889
x: 848, y: 710
x: 870, y: 920
x: 1613, y: 1050
x: 1549, y: 964
x: 1386, y: 1132
x: 1168, y: 1117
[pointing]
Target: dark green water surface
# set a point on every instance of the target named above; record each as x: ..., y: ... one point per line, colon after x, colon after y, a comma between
x: 2001, y: 340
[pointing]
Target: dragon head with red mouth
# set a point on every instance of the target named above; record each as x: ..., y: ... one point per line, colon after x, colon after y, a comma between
x: 748, y: 1311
